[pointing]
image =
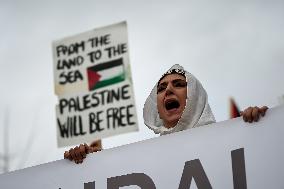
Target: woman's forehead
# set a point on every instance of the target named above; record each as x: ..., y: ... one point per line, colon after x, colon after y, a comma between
x: 171, y: 77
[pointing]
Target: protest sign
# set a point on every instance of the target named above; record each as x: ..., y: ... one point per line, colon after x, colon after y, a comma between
x: 230, y: 154
x: 93, y: 82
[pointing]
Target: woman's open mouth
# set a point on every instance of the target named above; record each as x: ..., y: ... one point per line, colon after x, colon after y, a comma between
x: 172, y: 104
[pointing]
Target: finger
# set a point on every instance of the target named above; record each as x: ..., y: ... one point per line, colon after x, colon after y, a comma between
x: 79, y: 161
x: 86, y: 148
x: 77, y: 153
x: 90, y: 149
x: 245, y: 114
x: 248, y: 114
x: 245, y: 117
x: 97, y: 143
x: 94, y: 149
x: 82, y: 150
x: 71, y: 153
x: 66, y: 155
x: 263, y: 110
x: 255, y: 114
x: 97, y: 149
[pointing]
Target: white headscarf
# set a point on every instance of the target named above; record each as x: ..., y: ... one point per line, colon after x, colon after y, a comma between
x: 197, y: 111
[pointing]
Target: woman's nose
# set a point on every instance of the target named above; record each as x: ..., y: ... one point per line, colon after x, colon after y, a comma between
x: 169, y: 89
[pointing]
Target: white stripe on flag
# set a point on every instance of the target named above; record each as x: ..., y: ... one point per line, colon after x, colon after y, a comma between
x: 110, y: 73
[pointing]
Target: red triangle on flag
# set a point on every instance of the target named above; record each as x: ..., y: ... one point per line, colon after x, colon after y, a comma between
x: 93, y: 78
x: 234, y: 110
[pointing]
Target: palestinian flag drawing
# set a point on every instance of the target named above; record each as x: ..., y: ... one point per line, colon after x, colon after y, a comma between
x: 107, y: 73
x: 234, y: 110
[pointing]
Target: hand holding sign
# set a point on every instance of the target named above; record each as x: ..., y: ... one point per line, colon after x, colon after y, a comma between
x: 252, y: 114
x: 79, y: 153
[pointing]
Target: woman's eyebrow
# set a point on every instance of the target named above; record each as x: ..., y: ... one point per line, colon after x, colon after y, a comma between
x: 178, y: 80
x: 163, y: 83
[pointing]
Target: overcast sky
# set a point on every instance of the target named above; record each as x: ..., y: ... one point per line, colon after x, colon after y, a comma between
x: 235, y: 48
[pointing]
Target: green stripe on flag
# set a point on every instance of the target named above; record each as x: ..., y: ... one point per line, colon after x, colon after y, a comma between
x: 110, y: 81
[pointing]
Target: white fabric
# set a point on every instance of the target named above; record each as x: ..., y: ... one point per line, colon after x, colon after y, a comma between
x: 197, y: 111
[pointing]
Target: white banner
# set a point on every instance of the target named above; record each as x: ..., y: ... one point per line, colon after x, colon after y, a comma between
x: 93, y: 81
x: 226, y: 155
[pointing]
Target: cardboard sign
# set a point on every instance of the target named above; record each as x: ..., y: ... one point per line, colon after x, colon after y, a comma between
x: 93, y: 81
x: 230, y: 154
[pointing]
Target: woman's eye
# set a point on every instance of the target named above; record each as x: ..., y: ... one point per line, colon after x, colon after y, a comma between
x: 180, y: 84
x: 161, y: 88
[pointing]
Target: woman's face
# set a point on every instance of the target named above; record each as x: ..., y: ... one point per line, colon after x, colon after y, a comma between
x: 171, y: 98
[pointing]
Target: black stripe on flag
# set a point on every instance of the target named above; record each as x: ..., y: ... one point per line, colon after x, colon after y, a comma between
x: 107, y: 65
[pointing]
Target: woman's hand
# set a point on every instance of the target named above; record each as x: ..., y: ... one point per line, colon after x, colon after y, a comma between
x: 79, y: 153
x: 252, y: 114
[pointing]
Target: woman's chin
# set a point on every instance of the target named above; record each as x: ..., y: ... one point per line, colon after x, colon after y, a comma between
x: 171, y: 122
